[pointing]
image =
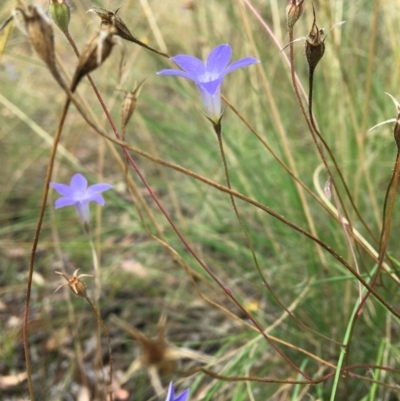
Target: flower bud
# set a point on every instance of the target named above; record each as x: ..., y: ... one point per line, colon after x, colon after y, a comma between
x: 315, y: 46
x: 60, y: 13
x: 293, y: 12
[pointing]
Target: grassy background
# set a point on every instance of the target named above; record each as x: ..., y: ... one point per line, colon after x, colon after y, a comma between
x: 140, y: 278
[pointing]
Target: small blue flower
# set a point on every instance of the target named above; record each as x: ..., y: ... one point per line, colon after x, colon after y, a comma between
x: 78, y: 194
x: 171, y: 394
x: 209, y: 76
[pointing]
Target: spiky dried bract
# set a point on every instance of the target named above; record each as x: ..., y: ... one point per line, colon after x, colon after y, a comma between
x: 129, y: 105
x: 111, y: 19
x: 60, y: 13
x: 315, y: 46
x: 293, y: 12
x: 75, y: 284
x: 95, y: 53
x: 38, y: 27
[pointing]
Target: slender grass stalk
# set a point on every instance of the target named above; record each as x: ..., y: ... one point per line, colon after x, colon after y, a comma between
x: 346, y: 343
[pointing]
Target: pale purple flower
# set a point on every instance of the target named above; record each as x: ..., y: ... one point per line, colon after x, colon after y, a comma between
x: 209, y: 76
x: 171, y: 394
x: 78, y: 194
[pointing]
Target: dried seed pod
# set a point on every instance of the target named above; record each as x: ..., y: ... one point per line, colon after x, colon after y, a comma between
x: 37, y: 25
x: 293, y: 12
x: 95, y: 53
x: 129, y: 105
x: 315, y: 46
x: 396, y: 129
x: 74, y: 283
x: 110, y: 18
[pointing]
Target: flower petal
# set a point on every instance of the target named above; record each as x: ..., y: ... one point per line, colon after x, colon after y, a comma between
x: 97, y: 188
x: 178, y: 73
x: 78, y: 184
x: 212, y: 103
x: 244, y: 62
x: 217, y: 60
x: 212, y: 86
x: 190, y: 64
x: 62, y: 189
x: 171, y: 392
x: 62, y: 202
x: 96, y: 198
x: 183, y: 397
x: 83, y: 211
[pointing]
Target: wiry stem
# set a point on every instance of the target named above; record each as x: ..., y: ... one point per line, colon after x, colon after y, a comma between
x: 217, y: 129
x: 49, y: 171
x: 226, y: 289
x: 103, y: 326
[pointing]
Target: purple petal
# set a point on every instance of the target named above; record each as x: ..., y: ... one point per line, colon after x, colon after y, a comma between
x: 183, y: 397
x: 190, y: 64
x: 171, y: 392
x: 62, y: 202
x: 83, y: 211
x: 244, y: 62
x: 78, y: 184
x: 96, y: 198
x: 212, y: 86
x: 97, y: 188
x: 218, y: 59
x: 62, y: 189
x: 178, y: 73
x: 212, y: 103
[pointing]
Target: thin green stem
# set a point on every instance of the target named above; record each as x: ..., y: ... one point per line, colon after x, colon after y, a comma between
x: 344, y: 349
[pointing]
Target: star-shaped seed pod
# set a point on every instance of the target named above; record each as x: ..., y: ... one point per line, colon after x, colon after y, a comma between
x: 111, y: 19
x: 158, y: 357
x: 315, y: 46
x: 74, y: 283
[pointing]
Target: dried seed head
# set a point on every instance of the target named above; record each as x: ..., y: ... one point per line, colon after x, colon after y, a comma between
x: 111, y: 19
x: 60, y: 13
x: 74, y: 283
x: 37, y: 25
x: 129, y: 105
x: 315, y: 46
x: 95, y: 53
x: 293, y: 12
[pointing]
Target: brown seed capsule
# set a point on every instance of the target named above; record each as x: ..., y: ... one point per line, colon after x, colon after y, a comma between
x: 129, y: 105
x: 110, y: 18
x: 293, y: 12
x: 315, y: 46
x: 74, y: 283
x: 37, y: 25
x: 396, y: 130
x: 95, y: 53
